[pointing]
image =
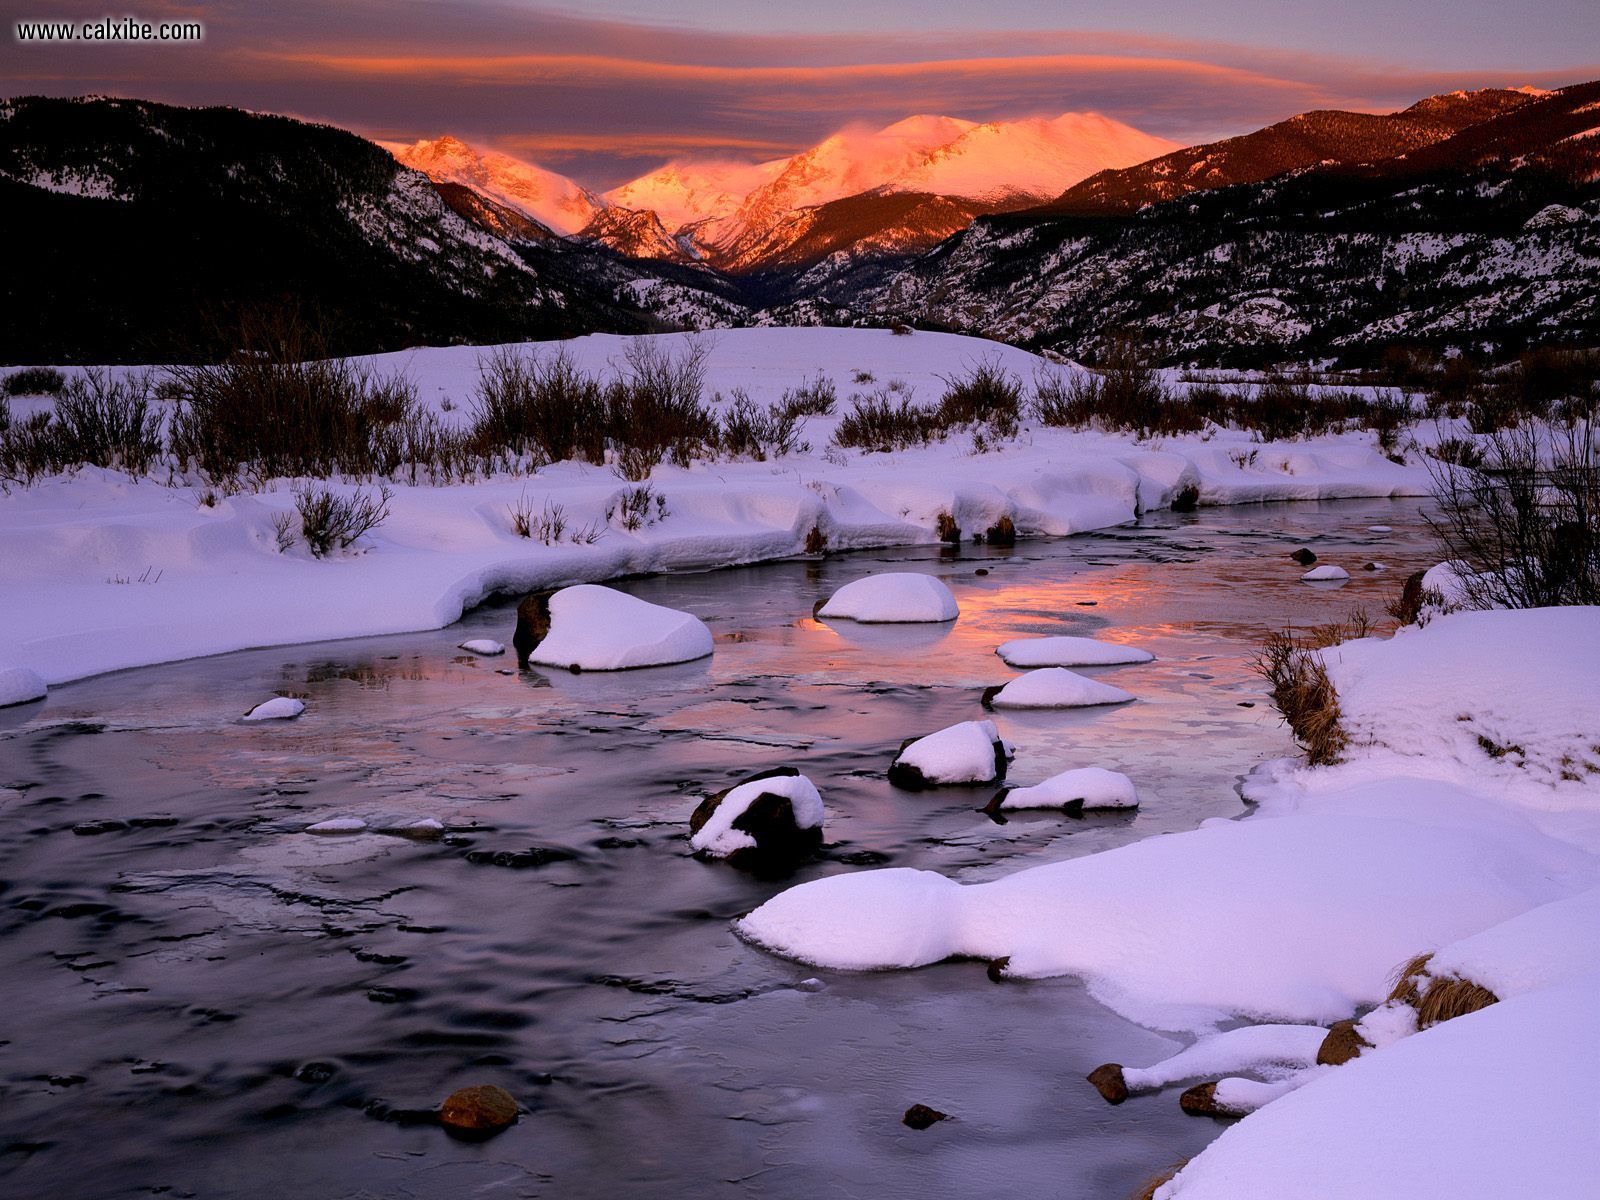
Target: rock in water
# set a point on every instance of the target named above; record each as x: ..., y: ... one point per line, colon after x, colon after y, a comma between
x: 772, y: 820
x: 1072, y: 792
x: 1304, y: 557
x: 478, y: 1112
x: 892, y: 598
x: 487, y: 647
x: 533, y: 622
x: 1344, y: 1042
x: 1068, y: 652
x: 1053, y: 687
x: 1108, y: 1081
x: 971, y: 752
x: 279, y: 708
x: 1326, y: 573
x: 920, y: 1116
x: 594, y: 628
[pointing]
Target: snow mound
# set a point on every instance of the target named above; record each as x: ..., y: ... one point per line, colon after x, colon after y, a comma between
x: 1086, y: 787
x: 594, y: 628
x: 18, y: 685
x: 971, y: 752
x: 279, y: 708
x: 1324, y: 573
x: 719, y: 838
x: 1553, y: 944
x: 1253, y: 1047
x: 1069, y: 652
x: 1332, y: 901
x: 1054, y: 687
x: 487, y: 647
x: 1438, y: 1116
x: 338, y: 825
x: 894, y: 597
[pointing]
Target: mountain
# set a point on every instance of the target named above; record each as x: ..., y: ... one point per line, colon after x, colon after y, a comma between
x: 552, y: 200
x: 1307, y: 140
x: 1487, y: 239
x: 148, y: 224
x: 686, y: 193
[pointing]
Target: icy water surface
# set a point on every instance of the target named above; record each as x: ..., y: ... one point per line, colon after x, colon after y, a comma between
x: 201, y: 999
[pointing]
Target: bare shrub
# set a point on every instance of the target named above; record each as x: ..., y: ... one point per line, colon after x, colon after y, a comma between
x: 29, y: 449
x: 986, y: 394
x: 1458, y: 452
x: 637, y: 508
x: 884, y: 421
x: 749, y: 430
x: 1389, y: 416
x: 655, y: 406
x: 108, y: 422
x: 814, y: 398
x: 1523, y: 526
x: 1126, y: 393
x: 35, y: 381
x: 1304, y: 696
x: 329, y: 521
x: 533, y: 402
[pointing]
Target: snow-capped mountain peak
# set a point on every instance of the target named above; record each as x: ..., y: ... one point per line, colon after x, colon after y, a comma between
x: 551, y: 199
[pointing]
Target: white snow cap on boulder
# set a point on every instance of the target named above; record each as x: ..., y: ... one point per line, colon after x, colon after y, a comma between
x: 719, y: 838
x: 279, y: 708
x: 1054, y: 687
x: 971, y: 752
x: 488, y: 647
x: 1086, y: 787
x: 1325, y: 573
x: 1069, y: 652
x: 594, y: 628
x: 18, y: 685
x: 894, y: 597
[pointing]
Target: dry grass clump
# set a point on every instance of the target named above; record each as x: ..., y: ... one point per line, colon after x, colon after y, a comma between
x: 949, y: 531
x: 1304, y: 696
x: 35, y: 381
x: 816, y: 540
x: 1437, y: 998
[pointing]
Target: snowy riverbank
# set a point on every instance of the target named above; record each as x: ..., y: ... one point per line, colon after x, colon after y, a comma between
x: 102, y: 572
x: 1464, y: 823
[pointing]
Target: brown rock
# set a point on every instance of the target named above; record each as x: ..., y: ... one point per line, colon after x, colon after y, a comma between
x: 1342, y: 1044
x: 1108, y: 1081
x: 1304, y: 557
x: 769, y: 820
x: 533, y: 623
x: 997, y: 969
x: 478, y: 1112
x: 920, y: 1116
x: 1201, y: 1101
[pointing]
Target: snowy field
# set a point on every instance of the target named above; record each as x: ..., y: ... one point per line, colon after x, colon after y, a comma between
x: 103, y: 572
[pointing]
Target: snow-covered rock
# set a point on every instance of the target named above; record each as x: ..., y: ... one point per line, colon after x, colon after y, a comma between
x: 894, y: 597
x: 487, y: 647
x: 338, y: 825
x: 18, y: 685
x: 1069, y: 652
x: 971, y: 752
x: 594, y: 628
x: 1074, y: 791
x: 1054, y: 687
x: 1278, y: 1050
x: 772, y: 817
x: 279, y: 708
x: 1326, y: 573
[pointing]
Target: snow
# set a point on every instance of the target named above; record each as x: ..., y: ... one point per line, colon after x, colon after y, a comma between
x: 1069, y: 652
x: 961, y: 753
x: 552, y: 200
x: 594, y: 628
x: 1095, y: 787
x: 18, y: 685
x: 1379, y: 529
x: 338, y: 825
x: 279, y: 708
x: 1494, y: 1104
x: 1552, y: 944
x: 224, y: 586
x: 718, y: 837
x: 893, y: 597
x: 1327, y: 571
x: 1056, y: 687
x: 488, y: 647
x: 1251, y: 1047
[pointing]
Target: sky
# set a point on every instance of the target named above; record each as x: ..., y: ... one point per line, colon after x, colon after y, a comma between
x: 607, y: 89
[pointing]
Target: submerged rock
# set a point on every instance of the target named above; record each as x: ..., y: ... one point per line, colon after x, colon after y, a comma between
x: 1033, y: 652
x: 971, y: 752
x: 1304, y: 557
x: 772, y: 819
x: 1325, y: 574
x: 487, y: 647
x: 478, y: 1112
x: 920, y: 1116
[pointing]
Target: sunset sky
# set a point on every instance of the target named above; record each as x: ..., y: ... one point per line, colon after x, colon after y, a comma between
x: 623, y: 85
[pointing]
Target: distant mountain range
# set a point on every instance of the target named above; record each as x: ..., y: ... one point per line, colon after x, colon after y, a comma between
x: 1470, y: 219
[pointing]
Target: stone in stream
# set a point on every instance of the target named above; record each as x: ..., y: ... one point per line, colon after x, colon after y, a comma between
x: 478, y: 1112
x: 1108, y: 1081
x: 533, y: 623
x: 920, y: 1116
x: 1344, y: 1042
x: 772, y: 820
x: 1304, y: 557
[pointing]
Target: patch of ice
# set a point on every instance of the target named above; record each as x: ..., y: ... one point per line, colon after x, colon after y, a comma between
x: 336, y: 825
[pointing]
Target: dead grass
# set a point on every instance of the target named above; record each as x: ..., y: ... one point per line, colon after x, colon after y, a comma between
x: 949, y: 531
x: 1437, y: 998
x: 1304, y: 696
x: 816, y: 541
x: 1151, y: 1186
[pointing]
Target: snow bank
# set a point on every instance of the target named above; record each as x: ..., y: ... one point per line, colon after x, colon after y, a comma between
x: 1549, y: 945
x: 1054, y: 687
x: 594, y: 628
x: 1069, y: 652
x: 18, y: 685
x: 718, y: 837
x: 1295, y: 918
x: 279, y: 708
x: 971, y: 752
x: 220, y: 584
x: 893, y: 597
x: 1085, y: 787
x: 1495, y: 1104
